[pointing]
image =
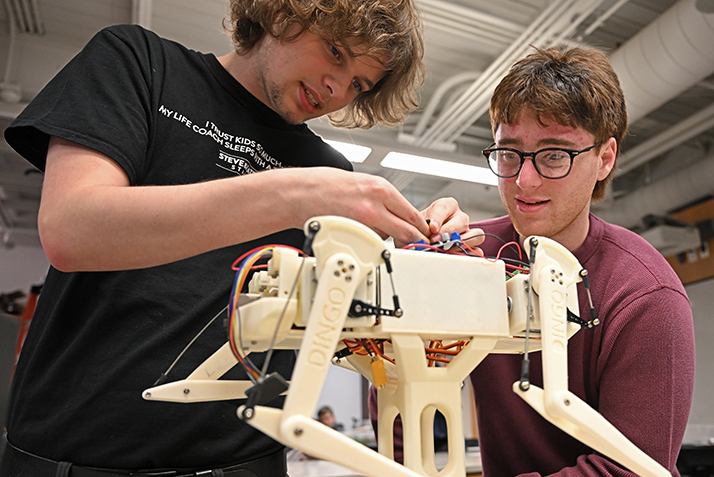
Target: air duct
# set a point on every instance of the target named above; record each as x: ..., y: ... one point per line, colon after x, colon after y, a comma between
x: 661, y: 197
x: 671, y: 54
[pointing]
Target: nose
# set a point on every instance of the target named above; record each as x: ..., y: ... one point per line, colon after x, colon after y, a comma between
x: 528, y: 176
x: 337, y: 84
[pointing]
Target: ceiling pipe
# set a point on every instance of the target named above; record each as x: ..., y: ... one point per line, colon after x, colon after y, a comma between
x: 670, y: 138
x: 602, y: 18
x: 474, y: 18
x: 578, y: 13
x: 11, y: 45
x: 557, y: 18
x: 467, y: 33
x: 27, y: 15
x: 23, y: 16
x: 662, y: 197
x: 469, y: 23
x: 671, y: 54
x: 483, y: 86
x: 10, y: 92
x: 436, y: 98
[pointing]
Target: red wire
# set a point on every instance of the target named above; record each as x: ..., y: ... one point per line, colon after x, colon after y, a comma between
x: 520, y: 252
x: 242, y: 257
x: 517, y: 267
x: 477, y: 252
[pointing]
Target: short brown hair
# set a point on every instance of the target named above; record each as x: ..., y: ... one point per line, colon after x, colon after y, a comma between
x: 385, y: 28
x: 575, y: 87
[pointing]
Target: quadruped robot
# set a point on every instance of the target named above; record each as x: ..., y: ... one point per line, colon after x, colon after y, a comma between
x: 330, y: 305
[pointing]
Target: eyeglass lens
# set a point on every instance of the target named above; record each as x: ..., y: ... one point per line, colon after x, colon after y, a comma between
x: 550, y: 163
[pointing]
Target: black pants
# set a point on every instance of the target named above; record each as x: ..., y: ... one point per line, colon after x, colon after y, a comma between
x: 18, y: 463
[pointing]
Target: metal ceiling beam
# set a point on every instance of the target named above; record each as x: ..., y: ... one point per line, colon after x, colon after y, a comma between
x: 602, y: 18
x: 434, y: 101
x: 469, y: 23
x: 667, y: 140
x: 661, y: 197
x: 474, y: 102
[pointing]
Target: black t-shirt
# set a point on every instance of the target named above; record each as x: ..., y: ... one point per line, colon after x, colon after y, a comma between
x: 166, y: 115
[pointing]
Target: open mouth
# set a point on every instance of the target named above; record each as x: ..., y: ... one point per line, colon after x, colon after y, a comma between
x: 310, y: 98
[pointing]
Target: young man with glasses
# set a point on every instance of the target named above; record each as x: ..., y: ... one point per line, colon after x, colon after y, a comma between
x: 558, y: 120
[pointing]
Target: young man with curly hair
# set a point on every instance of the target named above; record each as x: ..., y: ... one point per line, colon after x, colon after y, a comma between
x: 162, y: 166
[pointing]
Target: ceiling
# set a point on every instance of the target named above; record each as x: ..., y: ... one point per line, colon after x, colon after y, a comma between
x: 662, y: 50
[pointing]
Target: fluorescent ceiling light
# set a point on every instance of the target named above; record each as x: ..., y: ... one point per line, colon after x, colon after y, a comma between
x: 352, y: 152
x: 437, y: 167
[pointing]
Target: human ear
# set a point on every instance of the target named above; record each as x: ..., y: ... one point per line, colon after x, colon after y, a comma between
x: 606, y: 158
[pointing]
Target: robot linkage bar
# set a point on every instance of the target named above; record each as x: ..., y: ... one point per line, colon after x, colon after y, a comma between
x: 312, y: 304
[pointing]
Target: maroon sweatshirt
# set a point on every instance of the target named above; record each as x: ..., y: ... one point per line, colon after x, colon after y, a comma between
x: 636, y: 368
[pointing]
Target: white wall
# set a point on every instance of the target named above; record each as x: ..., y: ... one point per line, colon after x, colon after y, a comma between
x: 343, y: 393
x: 701, y: 419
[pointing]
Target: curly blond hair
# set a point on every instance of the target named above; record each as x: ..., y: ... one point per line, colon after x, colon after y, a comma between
x: 382, y: 28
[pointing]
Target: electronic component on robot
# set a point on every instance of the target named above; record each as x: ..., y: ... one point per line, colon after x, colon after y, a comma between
x: 383, y: 314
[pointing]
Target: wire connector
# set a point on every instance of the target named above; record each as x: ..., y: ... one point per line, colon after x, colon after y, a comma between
x: 379, y: 372
x: 262, y: 392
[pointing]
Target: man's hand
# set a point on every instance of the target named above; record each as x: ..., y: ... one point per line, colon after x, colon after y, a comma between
x: 444, y: 217
x: 366, y: 198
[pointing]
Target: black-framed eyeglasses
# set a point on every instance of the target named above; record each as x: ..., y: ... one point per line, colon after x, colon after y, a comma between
x: 551, y: 162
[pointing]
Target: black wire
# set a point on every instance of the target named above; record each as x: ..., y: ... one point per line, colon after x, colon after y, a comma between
x: 504, y: 242
x: 163, y: 377
x: 514, y: 261
x: 511, y: 246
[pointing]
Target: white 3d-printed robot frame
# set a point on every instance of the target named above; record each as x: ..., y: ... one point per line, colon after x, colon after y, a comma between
x: 312, y: 304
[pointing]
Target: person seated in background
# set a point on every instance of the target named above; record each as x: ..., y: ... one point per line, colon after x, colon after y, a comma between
x: 326, y: 416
